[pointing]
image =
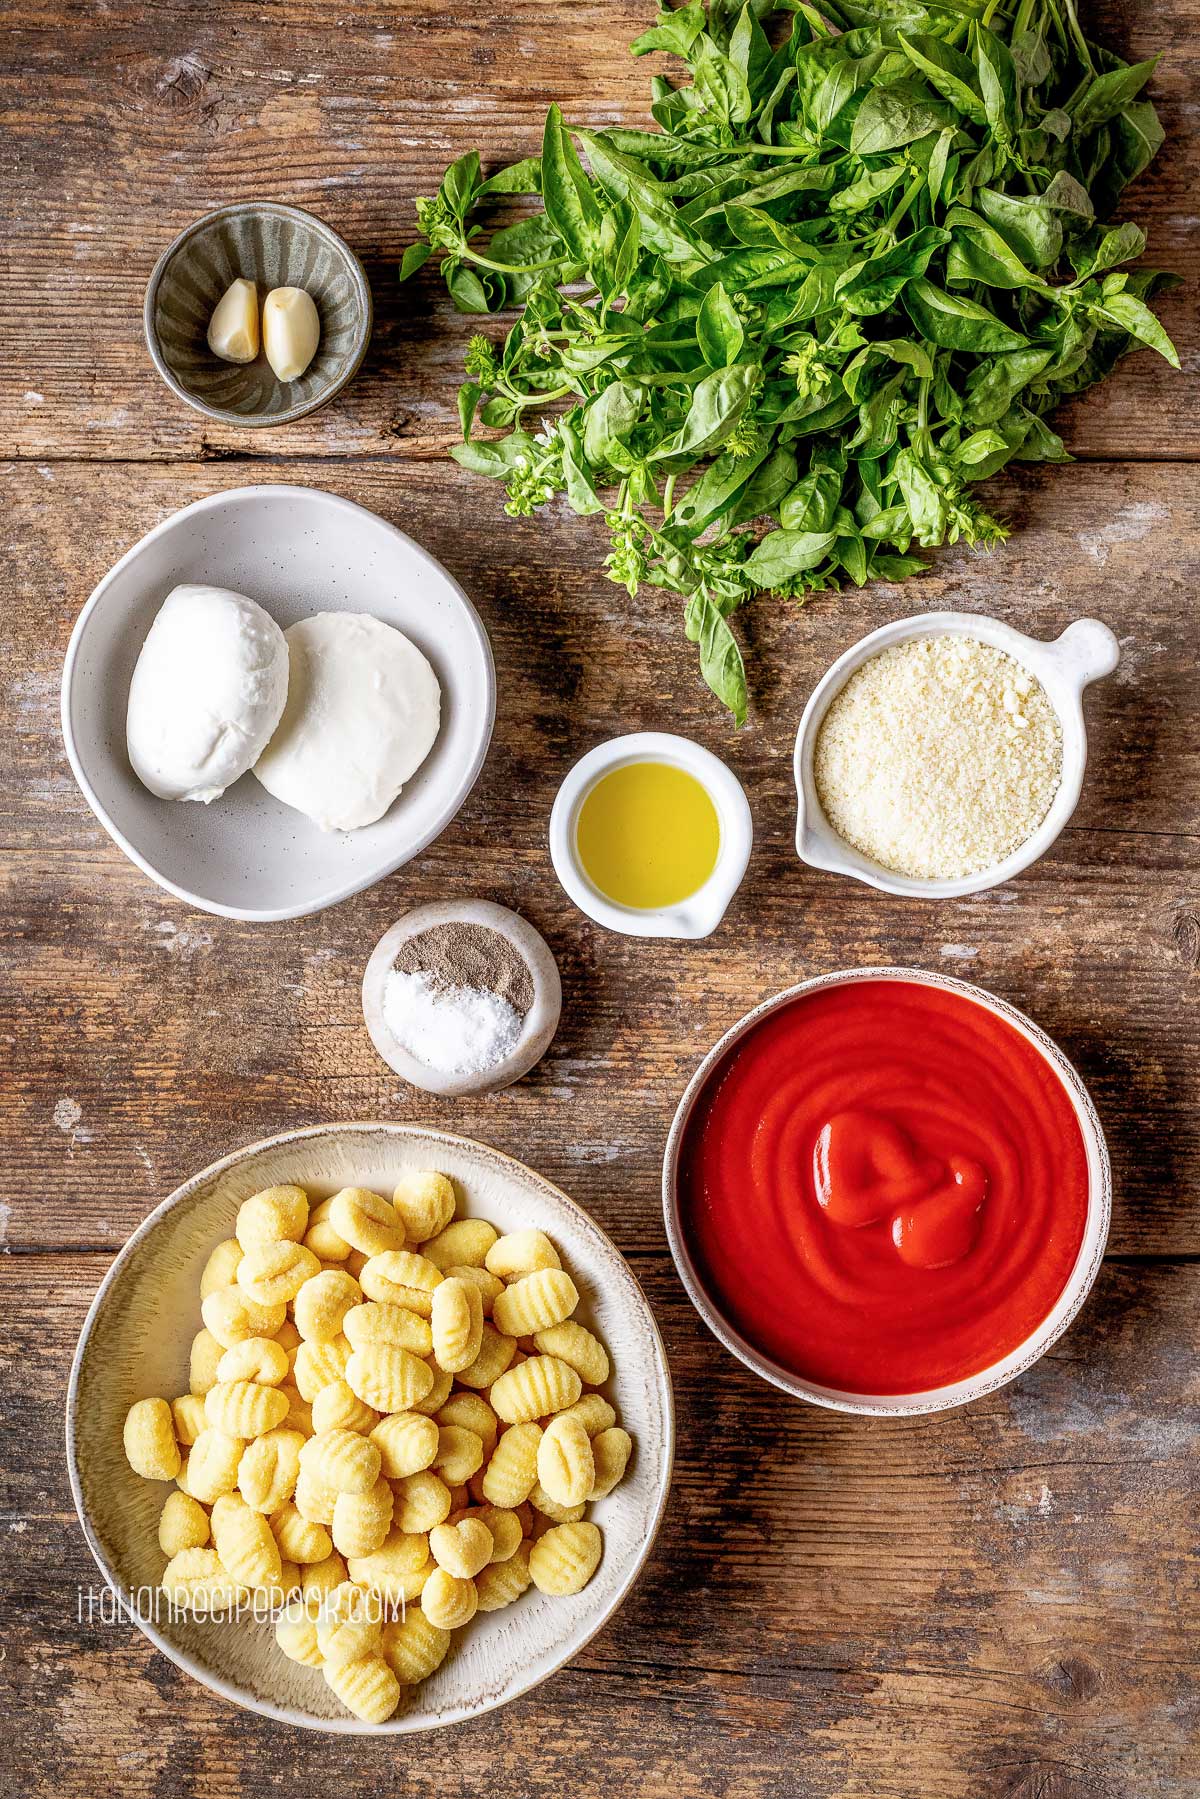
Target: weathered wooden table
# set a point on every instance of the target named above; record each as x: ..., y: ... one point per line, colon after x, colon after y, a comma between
x: 1002, y: 1601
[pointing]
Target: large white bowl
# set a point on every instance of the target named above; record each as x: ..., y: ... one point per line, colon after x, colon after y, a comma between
x: 933, y: 1399
x: 1086, y: 651
x: 297, y: 551
x: 135, y: 1342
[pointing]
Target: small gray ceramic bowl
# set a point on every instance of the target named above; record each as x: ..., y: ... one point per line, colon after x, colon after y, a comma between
x: 277, y: 246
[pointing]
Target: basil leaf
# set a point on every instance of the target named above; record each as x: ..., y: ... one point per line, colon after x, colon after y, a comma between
x: 415, y: 257
x: 1110, y: 94
x: 782, y: 554
x: 891, y: 117
x: 719, y: 330
x: 720, y: 658
x: 717, y: 405
x: 957, y: 323
x: 570, y: 203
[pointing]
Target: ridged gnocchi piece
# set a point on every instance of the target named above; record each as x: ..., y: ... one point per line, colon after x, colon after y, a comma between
x: 318, y: 1578
x: 338, y: 1407
x: 323, y: 1302
x: 539, y: 1386
x: 519, y: 1253
x: 296, y: 1634
x: 367, y: 1687
x: 446, y: 1600
x: 511, y: 1474
x: 213, y: 1464
x: 272, y: 1216
x: 438, y: 1393
x: 462, y: 1549
x: 459, y: 1454
x: 203, y: 1362
x: 150, y: 1445
x: 407, y: 1442
x: 268, y: 1470
x: 387, y: 1377
x: 505, y: 1526
x: 564, y: 1560
x: 500, y: 1583
x: 379, y: 1321
x: 490, y: 1285
x: 413, y: 1648
x: 611, y: 1450
x: 343, y: 1460
x: 421, y: 1501
x: 273, y: 1273
x: 425, y: 1202
x: 593, y: 1412
x: 231, y: 1316
x: 244, y: 1408
x: 259, y: 1359
x: 349, y: 1624
x: 464, y: 1243
x: 396, y: 1570
x: 361, y: 1521
x: 314, y: 1501
x: 456, y: 1324
x: 196, y: 1579
x: 401, y: 1277
x: 317, y: 1364
x: 472, y: 1412
x: 535, y: 1302
x: 495, y: 1355
x: 321, y: 1237
x: 244, y: 1541
x: 549, y: 1507
x: 565, y: 1463
x: 300, y: 1539
x: 182, y: 1524
x: 576, y: 1346
x: 366, y: 1221
x: 221, y: 1268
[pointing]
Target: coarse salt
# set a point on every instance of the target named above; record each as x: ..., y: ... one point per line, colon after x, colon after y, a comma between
x: 455, y: 1029
x: 939, y: 757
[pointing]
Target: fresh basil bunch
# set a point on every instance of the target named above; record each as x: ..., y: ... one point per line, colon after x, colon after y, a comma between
x: 862, y: 258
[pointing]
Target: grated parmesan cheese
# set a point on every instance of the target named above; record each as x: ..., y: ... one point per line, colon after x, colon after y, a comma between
x: 939, y: 757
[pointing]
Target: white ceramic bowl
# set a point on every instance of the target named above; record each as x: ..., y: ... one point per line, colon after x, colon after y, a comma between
x: 541, y: 1021
x: 135, y: 1343
x: 699, y: 914
x: 1085, y: 651
x: 935, y: 1399
x: 297, y: 551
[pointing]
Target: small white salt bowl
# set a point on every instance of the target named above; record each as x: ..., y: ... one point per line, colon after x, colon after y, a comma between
x: 1086, y: 651
x: 701, y: 912
x: 932, y: 1399
x: 541, y: 1021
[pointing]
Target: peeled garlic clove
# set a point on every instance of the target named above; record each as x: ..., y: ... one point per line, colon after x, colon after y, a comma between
x: 291, y: 331
x: 233, y: 327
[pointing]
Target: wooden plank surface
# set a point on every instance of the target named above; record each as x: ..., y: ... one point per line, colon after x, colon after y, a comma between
x: 999, y: 1604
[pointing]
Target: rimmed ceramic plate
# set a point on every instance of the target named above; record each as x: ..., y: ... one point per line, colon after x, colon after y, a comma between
x: 296, y: 550
x: 135, y: 1343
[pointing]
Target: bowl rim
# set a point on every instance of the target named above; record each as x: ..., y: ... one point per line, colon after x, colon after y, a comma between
x: 354, y: 268
x: 1062, y: 667
x: 1061, y: 1315
x: 699, y: 914
x: 244, y: 496
x: 350, y: 1726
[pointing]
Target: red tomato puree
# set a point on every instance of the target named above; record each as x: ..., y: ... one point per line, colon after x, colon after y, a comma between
x: 884, y: 1187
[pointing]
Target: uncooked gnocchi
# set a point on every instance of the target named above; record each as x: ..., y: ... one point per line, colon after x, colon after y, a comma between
x: 393, y: 1424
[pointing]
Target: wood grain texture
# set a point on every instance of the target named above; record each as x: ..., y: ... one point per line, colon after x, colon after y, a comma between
x: 997, y: 1604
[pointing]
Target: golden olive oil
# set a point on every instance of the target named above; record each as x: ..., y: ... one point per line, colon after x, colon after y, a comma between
x: 648, y: 835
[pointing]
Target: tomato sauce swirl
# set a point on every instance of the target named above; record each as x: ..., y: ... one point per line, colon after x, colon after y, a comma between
x: 884, y: 1186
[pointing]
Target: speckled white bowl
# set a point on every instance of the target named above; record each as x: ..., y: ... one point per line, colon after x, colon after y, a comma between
x: 135, y: 1342
x: 296, y: 550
